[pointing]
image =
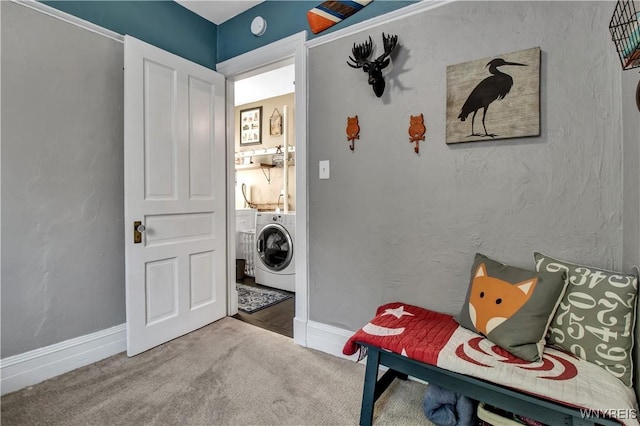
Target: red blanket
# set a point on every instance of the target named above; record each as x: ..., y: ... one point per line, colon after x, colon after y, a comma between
x: 415, y: 332
x: 437, y: 339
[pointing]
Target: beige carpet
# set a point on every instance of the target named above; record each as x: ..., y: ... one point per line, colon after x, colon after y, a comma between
x: 227, y: 373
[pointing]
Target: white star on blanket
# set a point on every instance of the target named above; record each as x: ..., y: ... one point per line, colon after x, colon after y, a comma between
x: 397, y: 312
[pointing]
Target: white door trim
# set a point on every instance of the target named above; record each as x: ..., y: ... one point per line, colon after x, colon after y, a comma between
x: 286, y: 48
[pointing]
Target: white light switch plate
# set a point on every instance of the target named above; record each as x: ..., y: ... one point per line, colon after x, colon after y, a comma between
x: 324, y: 169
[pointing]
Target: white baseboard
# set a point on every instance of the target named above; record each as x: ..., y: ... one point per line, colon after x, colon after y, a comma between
x: 329, y: 339
x: 299, y: 332
x: 29, y: 368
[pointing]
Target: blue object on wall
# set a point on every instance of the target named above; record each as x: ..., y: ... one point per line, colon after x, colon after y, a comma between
x: 164, y: 24
x: 633, y: 41
x: 285, y: 18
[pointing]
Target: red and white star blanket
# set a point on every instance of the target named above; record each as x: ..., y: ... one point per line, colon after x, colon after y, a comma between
x: 437, y: 339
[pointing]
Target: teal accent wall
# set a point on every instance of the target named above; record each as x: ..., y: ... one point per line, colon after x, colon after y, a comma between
x: 164, y: 24
x: 171, y: 27
x: 285, y: 18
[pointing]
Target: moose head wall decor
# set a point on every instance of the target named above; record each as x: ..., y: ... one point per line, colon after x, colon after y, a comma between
x: 361, y: 53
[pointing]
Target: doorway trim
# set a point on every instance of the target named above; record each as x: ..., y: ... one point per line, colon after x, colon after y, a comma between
x: 292, y: 47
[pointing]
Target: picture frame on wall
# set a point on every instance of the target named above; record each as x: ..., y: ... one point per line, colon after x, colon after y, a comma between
x: 494, y: 98
x: 251, y: 126
x: 275, y: 123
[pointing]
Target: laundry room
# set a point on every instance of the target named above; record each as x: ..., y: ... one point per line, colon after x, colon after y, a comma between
x: 264, y: 154
x: 264, y: 132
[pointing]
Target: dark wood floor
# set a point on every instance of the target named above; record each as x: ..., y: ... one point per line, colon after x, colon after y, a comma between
x: 277, y: 318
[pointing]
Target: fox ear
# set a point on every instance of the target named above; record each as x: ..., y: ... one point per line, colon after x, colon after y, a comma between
x: 481, y: 271
x: 527, y: 286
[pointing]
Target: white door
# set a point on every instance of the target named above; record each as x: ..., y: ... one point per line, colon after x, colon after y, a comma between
x: 174, y: 176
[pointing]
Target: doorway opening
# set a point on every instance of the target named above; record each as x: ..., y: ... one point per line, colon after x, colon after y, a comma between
x: 258, y: 61
x: 265, y: 204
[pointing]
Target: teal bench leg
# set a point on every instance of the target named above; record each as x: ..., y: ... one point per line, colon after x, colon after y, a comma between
x: 374, y: 387
x: 369, y: 391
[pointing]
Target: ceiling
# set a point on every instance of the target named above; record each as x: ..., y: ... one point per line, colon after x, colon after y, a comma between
x: 218, y: 11
x: 270, y: 84
x: 267, y: 84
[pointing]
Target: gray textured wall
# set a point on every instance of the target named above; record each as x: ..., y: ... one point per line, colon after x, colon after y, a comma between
x: 631, y: 187
x: 62, y: 181
x: 392, y: 225
x: 388, y: 225
x: 631, y: 160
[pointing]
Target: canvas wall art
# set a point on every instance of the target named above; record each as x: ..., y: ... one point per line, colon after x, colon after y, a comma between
x: 494, y: 98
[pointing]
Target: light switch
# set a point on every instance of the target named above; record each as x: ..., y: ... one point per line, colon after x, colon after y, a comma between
x: 324, y: 169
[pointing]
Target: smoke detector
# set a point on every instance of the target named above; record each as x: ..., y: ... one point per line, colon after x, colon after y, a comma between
x: 258, y: 26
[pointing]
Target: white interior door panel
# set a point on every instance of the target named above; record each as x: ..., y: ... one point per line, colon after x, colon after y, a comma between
x: 175, y: 187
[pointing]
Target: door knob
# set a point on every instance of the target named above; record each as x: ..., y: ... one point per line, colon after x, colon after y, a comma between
x: 138, y: 229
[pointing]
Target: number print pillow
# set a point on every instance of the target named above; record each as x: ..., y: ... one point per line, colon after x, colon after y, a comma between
x: 596, y: 317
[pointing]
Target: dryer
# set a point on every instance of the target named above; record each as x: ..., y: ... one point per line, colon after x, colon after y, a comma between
x: 274, y: 250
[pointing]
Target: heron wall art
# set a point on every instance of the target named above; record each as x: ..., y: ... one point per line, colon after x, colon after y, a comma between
x: 494, y: 98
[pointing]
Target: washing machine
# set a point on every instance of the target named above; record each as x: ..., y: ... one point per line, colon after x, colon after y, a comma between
x: 274, y: 245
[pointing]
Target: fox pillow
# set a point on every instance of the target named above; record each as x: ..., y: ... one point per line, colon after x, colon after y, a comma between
x: 511, y: 306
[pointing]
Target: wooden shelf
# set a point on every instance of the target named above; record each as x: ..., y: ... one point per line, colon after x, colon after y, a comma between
x: 258, y: 166
x: 253, y: 166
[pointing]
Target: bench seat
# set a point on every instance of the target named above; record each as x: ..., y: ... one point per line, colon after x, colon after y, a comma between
x: 559, y: 389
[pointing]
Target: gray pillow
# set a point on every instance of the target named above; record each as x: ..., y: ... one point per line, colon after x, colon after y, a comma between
x: 596, y: 317
x: 511, y: 306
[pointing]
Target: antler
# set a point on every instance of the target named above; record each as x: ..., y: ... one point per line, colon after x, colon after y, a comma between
x: 361, y: 52
x: 360, y: 59
x: 389, y: 43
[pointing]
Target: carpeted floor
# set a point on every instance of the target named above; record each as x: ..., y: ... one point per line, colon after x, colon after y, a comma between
x: 227, y: 373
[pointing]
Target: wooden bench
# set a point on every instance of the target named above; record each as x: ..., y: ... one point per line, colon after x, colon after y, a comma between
x: 540, y: 409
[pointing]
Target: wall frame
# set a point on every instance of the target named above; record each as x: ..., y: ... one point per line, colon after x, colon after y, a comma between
x: 509, y: 97
x: 251, y: 126
x: 275, y: 123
